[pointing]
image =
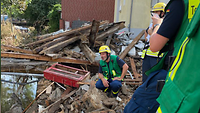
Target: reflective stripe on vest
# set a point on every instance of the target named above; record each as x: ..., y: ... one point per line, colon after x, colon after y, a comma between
x: 148, y: 52
x: 178, y: 59
x: 105, y: 77
x: 111, y: 78
x: 176, y: 63
x: 159, y: 110
x: 192, y: 4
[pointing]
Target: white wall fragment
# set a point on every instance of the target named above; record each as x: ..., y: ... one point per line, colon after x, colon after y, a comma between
x: 132, y: 52
x: 140, y: 45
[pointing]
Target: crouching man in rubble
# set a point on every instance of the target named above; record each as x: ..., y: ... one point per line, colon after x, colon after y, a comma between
x: 112, y: 70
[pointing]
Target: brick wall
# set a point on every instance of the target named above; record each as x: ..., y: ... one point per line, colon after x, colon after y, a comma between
x: 62, y: 24
x: 87, y: 10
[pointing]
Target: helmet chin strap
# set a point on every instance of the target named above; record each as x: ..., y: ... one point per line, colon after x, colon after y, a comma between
x: 160, y: 15
x: 107, y: 56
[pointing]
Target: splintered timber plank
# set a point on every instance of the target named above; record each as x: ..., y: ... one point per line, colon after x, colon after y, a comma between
x: 93, y: 32
x: 132, y: 80
x: 59, y: 35
x: 45, y: 58
x: 88, y: 52
x: 22, y: 65
x: 62, y: 34
x: 54, y: 42
x: 109, y: 39
x: 110, y: 31
x: 59, y: 46
x: 134, y: 68
x: 133, y: 83
x: 16, y: 49
x: 131, y: 45
x: 22, y: 74
x: 60, y: 100
x: 48, y: 44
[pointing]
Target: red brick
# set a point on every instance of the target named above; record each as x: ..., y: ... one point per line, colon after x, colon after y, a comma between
x: 87, y: 10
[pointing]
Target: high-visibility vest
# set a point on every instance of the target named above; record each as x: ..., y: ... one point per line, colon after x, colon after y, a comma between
x: 181, y: 92
x: 148, y: 52
x: 113, y: 70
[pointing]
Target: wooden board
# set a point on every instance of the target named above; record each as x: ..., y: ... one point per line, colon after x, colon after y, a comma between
x: 45, y: 58
x: 131, y: 45
x: 16, y: 49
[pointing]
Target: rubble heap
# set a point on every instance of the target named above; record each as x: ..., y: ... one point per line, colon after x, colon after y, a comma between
x: 80, y: 48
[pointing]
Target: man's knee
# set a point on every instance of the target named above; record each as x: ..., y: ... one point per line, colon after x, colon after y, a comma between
x: 116, y: 85
x: 99, y: 84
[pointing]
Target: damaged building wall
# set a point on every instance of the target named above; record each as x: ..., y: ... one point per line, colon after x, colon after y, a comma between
x: 136, y: 21
x: 140, y: 12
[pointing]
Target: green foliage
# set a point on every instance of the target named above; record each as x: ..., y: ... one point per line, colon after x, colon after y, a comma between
x: 54, y: 17
x: 7, y: 89
x: 6, y: 103
x: 27, y: 95
x: 37, y: 12
x: 14, y: 8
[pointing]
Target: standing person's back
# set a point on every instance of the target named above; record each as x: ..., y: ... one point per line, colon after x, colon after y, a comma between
x: 151, y: 58
x: 181, y: 93
x: 167, y: 31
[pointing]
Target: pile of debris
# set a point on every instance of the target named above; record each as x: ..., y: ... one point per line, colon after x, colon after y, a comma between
x: 79, y: 47
x: 86, y: 99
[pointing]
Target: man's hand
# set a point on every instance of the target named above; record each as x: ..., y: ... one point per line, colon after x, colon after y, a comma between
x: 150, y: 30
x: 105, y: 82
x: 156, y: 20
x: 117, y: 78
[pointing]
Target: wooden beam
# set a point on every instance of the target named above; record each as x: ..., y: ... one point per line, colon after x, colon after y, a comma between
x: 83, y: 83
x: 133, y: 67
x: 44, y: 36
x: 132, y: 80
x: 93, y: 32
x: 63, y: 34
x: 90, y: 55
x: 110, y: 31
x: 55, y: 48
x: 60, y: 100
x: 133, y: 83
x: 22, y: 70
x: 51, y: 43
x: 22, y: 66
x: 66, y: 91
x: 131, y: 45
x: 48, y: 44
x: 22, y: 74
x: 16, y: 49
x: 103, y: 111
x: 99, y: 43
x: 13, y: 60
x: 109, y: 40
x: 45, y: 58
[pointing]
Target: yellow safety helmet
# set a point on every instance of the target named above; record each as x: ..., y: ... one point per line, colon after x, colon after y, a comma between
x: 159, y: 7
x: 104, y: 48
